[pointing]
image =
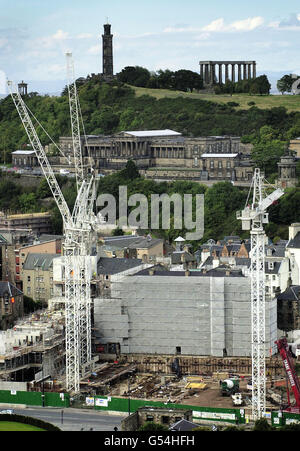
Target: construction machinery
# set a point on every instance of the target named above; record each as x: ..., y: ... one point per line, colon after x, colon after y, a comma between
x: 229, y: 386
x: 79, y: 236
x: 253, y: 217
x: 283, y: 349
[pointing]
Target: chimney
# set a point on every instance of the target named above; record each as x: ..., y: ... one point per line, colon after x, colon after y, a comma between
x: 187, y: 273
x: 151, y: 272
x: 228, y: 272
x: 216, y: 262
x: 293, y: 230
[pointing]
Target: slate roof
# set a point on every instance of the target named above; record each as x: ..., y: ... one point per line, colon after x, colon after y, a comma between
x: 183, y: 425
x: 216, y: 272
x: 7, y: 287
x: 112, y: 266
x: 3, y: 240
x: 276, y: 267
x: 41, y: 261
x: 295, y: 242
x: 130, y: 242
x: 290, y: 294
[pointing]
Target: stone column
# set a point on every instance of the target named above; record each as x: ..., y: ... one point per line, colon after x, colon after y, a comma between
x: 233, y: 73
x: 245, y: 71
x: 212, y: 74
x: 226, y: 73
x: 254, y: 69
x: 220, y: 74
x: 239, y: 72
x: 206, y: 76
x: 249, y: 71
x: 202, y: 71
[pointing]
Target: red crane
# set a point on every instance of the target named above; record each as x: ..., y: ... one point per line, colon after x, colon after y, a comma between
x: 286, y: 356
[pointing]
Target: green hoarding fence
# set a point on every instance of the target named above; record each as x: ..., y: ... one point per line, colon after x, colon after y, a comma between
x: 34, y: 398
x: 235, y: 416
x: 284, y: 418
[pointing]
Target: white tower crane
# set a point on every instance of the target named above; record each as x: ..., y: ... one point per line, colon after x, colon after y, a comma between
x: 253, y: 217
x: 78, y: 240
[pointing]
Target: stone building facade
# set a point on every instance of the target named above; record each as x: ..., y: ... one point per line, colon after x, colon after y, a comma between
x: 166, y: 154
x: 11, y: 305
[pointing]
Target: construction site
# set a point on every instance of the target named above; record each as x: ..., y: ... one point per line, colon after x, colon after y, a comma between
x: 186, y: 340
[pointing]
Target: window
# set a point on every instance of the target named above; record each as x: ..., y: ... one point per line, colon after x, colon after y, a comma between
x: 165, y: 419
x: 28, y: 278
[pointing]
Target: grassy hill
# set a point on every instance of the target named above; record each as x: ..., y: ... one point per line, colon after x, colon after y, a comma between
x: 291, y: 103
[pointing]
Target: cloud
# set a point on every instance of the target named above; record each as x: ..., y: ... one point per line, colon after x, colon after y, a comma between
x: 249, y: 24
x: 84, y: 36
x: 292, y: 23
x: 94, y: 50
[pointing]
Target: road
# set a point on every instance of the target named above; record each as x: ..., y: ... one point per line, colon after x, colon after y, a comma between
x: 74, y: 419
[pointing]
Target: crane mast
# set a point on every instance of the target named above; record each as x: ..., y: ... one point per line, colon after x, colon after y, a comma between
x: 253, y: 217
x: 78, y: 240
x: 75, y: 123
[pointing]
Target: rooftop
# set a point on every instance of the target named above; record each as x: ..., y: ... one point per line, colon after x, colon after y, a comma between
x: 41, y: 261
x: 112, y: 266
x: 146, y: 133
x: 295, y: 242
x: 7, y: 287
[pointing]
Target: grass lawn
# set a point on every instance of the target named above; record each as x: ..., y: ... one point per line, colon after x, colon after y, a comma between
x: 14, y: 426
x: 291, y: 103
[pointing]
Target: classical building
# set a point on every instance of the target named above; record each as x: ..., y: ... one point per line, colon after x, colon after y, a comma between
x: 234, y: 71
x: 24, y: 158
x: 166, y: 154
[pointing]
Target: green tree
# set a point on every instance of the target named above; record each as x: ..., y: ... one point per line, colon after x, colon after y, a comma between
x: 285, y: 83
x: 135, y: 75
x: 151, y: 426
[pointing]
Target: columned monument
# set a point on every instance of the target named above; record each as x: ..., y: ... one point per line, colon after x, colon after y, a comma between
x: 107, y: 53
x: 213, y: 72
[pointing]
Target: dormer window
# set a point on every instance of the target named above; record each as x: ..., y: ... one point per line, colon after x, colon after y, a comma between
x: 271, y: 265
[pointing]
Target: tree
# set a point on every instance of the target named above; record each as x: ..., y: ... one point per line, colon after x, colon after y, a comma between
x: 151, y: 426
x: 130, y: 172
x: 285, y: 83
x: 134, y: 75
x: 262, y: 425
x: 260, y: 85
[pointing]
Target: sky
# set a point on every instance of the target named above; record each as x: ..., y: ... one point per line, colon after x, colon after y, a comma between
x: 156, y: 34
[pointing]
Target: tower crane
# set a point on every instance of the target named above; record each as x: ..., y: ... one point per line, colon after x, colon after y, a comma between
x: 79, y: 231
x: 253, y: 217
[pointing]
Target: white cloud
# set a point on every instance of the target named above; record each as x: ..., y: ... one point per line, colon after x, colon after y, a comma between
x: 249, y: 24
x: 292, y: 23
x: 94, y: 50
x: 215, y: 25
x: 84, y: 36
x: 60, y: 35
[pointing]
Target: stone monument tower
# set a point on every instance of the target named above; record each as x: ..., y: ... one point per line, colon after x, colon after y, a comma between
x: 287, y: 177
x: 107, y: 41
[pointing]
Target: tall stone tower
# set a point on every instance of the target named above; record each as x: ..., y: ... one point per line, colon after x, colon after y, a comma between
x: 107, y: 40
